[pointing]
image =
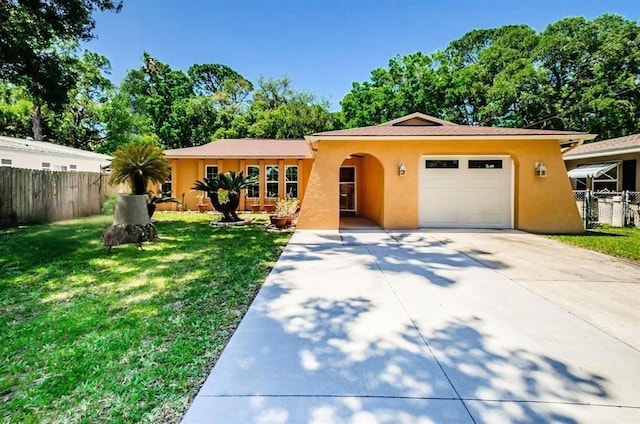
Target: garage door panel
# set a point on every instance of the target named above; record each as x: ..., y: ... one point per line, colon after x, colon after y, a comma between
x: 464, y: 197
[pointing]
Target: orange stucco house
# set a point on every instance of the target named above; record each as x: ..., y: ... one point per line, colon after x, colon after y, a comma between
x: 415, y: 171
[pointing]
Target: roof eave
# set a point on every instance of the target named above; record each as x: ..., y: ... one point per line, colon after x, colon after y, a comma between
x: 609, y: 152
x: 561, y: 138
x: 238, y: 157
x: 89, y: 156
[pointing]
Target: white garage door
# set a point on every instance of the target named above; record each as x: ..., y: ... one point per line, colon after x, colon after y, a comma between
x: 465, y: 191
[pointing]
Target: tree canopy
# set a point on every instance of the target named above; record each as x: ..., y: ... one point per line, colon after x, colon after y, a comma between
x: 37, y: 39
x: 577, y: 74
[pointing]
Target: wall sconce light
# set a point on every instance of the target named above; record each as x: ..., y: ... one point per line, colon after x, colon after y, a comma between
x: 402, y: 170
x: 541, y: 170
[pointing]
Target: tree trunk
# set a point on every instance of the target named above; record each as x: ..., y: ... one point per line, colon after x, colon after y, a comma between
x: 36, y: 122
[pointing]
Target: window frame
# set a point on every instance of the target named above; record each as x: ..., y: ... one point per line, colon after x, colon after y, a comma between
x: 606, y: 178
x: 169, y: 182
x: 288, y: 182
x: 250, y: 189
x: 206, y: 170
x: 270, y: 182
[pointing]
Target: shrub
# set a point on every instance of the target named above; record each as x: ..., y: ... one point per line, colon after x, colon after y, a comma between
x: 109, y: 205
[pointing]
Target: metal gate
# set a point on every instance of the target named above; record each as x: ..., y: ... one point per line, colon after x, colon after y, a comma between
x: 616, y: 208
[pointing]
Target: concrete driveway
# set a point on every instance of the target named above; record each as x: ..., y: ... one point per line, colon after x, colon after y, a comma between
x: 433, y: 326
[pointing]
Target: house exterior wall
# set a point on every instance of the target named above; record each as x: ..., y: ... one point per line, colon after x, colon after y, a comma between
x: 29, y: 160
x: 185, y: 172
x: 574, y: 163
x: 544, y: 205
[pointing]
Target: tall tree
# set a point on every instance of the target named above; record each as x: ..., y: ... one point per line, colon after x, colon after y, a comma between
x: 155, y: 92
x: 279, y: 111
x: 79, y: 123
x: 15, y: 111
x: 30, y: 38
x: 225, y: 86
x: 577, y: 74
x: 593, y: 75
x: 409, y: 84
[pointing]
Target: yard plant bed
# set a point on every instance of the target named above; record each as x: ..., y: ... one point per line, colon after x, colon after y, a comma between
x: 127, y: 336
x: 622, y: 242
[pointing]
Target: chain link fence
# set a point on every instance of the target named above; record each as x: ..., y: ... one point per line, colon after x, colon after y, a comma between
x: 616, y: 208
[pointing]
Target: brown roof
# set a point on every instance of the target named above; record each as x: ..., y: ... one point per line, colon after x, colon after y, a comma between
x: 611, y: 146
x: 245, y: 148
x: 421, y: 125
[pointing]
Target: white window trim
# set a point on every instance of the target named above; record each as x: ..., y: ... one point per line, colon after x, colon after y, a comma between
x: 169, y: 180
x: 206, y: 168
x: 267, y: 181
x: 287, y: 182
x: 257, y: 184
x: 606, y: 178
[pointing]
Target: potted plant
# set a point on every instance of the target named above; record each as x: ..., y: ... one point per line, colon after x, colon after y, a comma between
x: 279, y: 217
x: 255, y: 207
x: 201, y: 205
x: 293, y: 206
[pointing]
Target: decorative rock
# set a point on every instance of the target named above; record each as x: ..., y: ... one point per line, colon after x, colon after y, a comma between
x: 116, y: 235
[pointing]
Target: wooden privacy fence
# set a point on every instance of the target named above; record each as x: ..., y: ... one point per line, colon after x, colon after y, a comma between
x: 31, y: 196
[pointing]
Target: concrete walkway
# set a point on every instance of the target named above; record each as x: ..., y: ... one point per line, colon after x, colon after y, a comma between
x: 422, y: 327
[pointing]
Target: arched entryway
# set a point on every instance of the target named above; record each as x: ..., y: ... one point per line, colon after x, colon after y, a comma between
x: 361, y: 191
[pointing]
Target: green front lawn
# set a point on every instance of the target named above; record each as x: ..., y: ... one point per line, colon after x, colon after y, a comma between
x: 88, y: 336
x: 622, y: 242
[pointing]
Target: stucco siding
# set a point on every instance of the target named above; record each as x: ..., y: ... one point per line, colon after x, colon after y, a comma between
x: 540, y: 204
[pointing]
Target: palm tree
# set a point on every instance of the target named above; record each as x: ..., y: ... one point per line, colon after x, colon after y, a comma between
x: 138, y: 165
x: 229, y: 182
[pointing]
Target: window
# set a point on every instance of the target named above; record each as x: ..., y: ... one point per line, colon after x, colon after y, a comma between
x: 347, y: 190
x: 46, y: 165
x: 5, y: 162
x: 211, y: 171
x: 167, y: 186
x: 73, y: 167
x: 441, y: 164
x: 291, y: 178
x: 607, y: 181
x: 272, y: 181
x: 59, y: 168
x: 485, y: 164
x: 253, y: 191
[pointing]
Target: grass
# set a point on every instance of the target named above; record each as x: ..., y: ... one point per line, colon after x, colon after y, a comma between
x: 622, y: 242
x: 124, y: 337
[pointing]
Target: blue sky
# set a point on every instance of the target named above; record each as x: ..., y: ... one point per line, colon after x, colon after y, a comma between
x: 322, y: 45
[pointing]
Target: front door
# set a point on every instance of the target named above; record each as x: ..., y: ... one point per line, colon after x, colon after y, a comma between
x: 347, y: 190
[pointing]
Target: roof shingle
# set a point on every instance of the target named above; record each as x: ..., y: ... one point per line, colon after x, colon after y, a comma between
x: 245, y: 148
x: 45, y: 147
x: 442, y: 130
x: 422, y: 125
x: 613, y: 145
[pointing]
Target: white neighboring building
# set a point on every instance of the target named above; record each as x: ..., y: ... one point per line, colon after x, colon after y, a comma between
x: 21, y: 153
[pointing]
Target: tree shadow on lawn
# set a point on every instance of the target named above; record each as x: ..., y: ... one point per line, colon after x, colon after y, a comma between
x: 95, y: 309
